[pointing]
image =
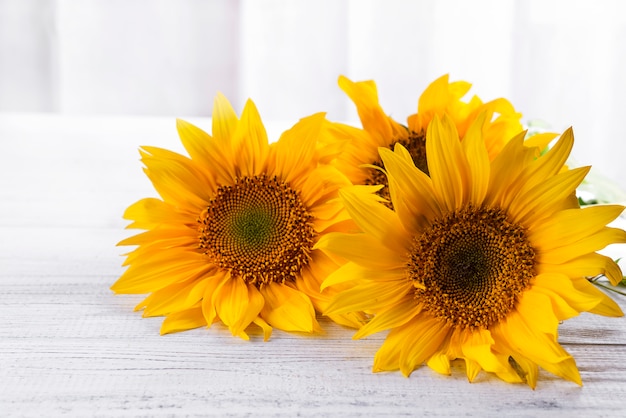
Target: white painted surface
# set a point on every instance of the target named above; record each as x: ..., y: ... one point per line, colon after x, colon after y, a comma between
x: 69, y: 347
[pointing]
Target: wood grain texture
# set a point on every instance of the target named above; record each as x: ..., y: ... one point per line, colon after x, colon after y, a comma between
x: 69, y: 347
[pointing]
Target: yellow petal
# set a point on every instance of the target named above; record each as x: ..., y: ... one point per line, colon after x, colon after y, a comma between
x: 250, y: 142
x: 569, y: 226
x: 288, y: 309
x: 606, y: 307
x: 530, y: 370
x: 369, y: 296
x: 171, y: 298
x: 538, y: 347
x: 477, y: 349
x: 182, y: 321
x: 361, y: 249
x: 165, y: 268
x: 447, y: 164
x: 208, y: 298
x: 177, y: 179
x: 536, y: 309
x: 505, y: 171
x: 388, y: 355
x: 267, y: 329
x: 214, y: 154
x: 549, y: 164
x: 350, y: 272
x: 150, y: 212
x: 224, y: 120
x: 396, y: 315
x: 375, y: 219
x: 295, y: 150
x: 589, y: 244
x: 374, y: 120
x: 478, y: 161
x: 440, y: 363
x: 588, y: 265
x: 543, y: 200
x: 426, y: 338
x: 237, y: 304
x: 410, y: 189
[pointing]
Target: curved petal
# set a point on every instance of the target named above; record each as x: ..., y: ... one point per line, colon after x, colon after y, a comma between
x: 224, y: 121
x: 369, y: 296
x: 183, y: 320
x: 409, y: 185
x: 426, y: 337
x: 294, y: 153
x: 546, y: 198
x: 375, y: 219
x: 571, y: 225
x: 374, y: 120
x: 447, y: 164
x: 538, y: 347
x: 213, y: 155
x: 176, y: 179
x: 588, y: 265
x: 395, y: 316
x: 161, y: 269
x: 151, y: 212
x: 361, y: 249
x: 288, y: 309
x: 250, y: 142
x: 477, y: 348
x: 237, y: 304
x: 589, y: 244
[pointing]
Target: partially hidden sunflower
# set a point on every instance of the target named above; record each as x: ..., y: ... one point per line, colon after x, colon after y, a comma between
x: 478, y: 261
x: 232, y: 236
x: 501, y: 122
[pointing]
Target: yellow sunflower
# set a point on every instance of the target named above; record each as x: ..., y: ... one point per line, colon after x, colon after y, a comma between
x: 441, y: 96
x: 231, y: 238
x: 480, y: 261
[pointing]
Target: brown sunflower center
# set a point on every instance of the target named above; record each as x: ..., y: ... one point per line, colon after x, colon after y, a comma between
x: 415, y: 143
x: 259, y: 229
x: 471, y: 267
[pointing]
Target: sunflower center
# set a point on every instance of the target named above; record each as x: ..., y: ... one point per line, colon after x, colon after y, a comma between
x: 471, y: 267
x: 259, y: 229
x: 415, y: 143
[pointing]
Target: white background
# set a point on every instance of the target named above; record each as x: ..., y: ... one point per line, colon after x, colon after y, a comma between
x: 560, y: 61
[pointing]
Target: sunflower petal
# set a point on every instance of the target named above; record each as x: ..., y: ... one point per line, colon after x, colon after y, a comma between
x: 361, y: 249
x: 236, y: 304
x: 478, y: 161
x: 369, y: 296
x: 214, y: 154
x: 250, y: 142
x: 224, y: 120
x: 539, y: 348
x: 447, y: 164
x: 288, y: 309
x: 427, y: 335
x: 397, y: 315
x: 183, y: 320
x: 375, y: 219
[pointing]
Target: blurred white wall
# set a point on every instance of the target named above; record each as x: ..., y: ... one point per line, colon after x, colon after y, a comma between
x: 557, y: 60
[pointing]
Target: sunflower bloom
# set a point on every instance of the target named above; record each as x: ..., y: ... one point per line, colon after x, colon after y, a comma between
x: 478, y: 261
x: 500, y: 123
x: 231, y: 238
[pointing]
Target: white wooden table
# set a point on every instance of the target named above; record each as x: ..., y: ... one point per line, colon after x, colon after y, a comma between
x: 69, y: 347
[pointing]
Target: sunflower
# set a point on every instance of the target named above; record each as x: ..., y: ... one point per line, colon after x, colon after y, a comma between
x: 501, y: 121
x: 232, y: 237
x: 478, y: 261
